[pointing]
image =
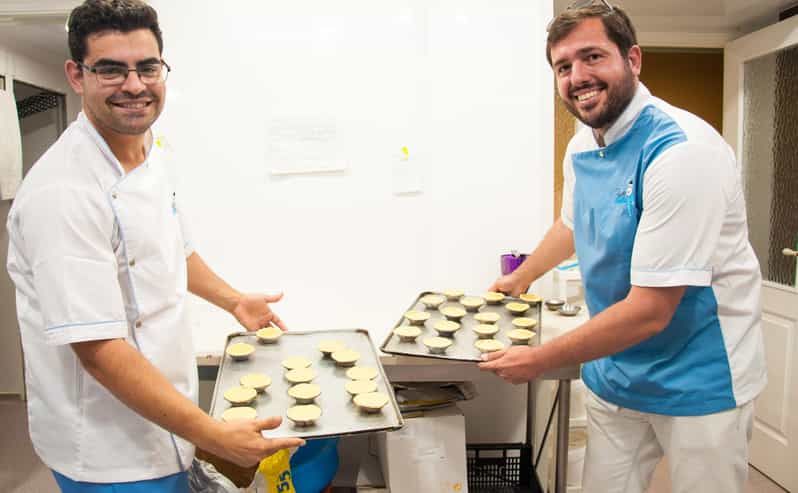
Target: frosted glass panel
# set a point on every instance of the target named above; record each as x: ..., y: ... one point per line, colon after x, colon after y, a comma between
x: 770, y: 160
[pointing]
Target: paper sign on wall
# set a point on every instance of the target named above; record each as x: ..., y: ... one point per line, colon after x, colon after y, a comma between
x: 405, y: 176
x: 303, y: 146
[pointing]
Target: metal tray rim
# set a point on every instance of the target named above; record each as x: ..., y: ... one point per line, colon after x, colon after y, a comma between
x: 384, y: 345
x: 391, y: 395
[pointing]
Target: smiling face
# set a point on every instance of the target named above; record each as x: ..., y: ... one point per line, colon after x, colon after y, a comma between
x: 594, y: 80
x: 129, y: 108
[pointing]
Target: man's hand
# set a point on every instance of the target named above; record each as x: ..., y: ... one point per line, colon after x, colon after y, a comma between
x: 253, y: 311
x: 517, y: 364
x: 510, y: 284
x: 241, y: 442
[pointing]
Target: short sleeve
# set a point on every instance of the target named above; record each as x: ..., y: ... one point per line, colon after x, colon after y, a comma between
x: 66, y: 238
x: 684, y: 206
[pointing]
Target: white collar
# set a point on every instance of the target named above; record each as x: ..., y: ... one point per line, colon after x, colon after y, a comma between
x: 624, y: 122
x: 84, y: 122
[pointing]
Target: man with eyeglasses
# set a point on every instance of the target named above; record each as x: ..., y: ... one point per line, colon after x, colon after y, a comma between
x: 103, y: 263
x: 653, y: 207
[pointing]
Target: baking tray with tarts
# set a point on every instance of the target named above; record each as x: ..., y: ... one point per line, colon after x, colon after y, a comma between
x: 267, y: 353
x: 453, y: 326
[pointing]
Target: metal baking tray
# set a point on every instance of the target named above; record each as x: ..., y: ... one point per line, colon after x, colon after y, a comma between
x: 339, y: 416
x: 462, y: 348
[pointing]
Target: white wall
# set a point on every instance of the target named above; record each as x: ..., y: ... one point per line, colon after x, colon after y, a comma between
x: 464, y: 85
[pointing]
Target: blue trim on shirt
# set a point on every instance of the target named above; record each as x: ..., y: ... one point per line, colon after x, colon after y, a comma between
x: 84, y: 324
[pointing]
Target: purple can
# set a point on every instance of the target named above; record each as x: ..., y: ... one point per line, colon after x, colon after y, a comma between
x: 511, y: 261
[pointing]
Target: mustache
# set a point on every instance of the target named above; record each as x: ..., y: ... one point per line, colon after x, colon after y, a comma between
x: 129, y: 97
x: 597, y: 86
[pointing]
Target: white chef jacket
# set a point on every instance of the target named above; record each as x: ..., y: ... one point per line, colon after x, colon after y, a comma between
x: 96, y: 253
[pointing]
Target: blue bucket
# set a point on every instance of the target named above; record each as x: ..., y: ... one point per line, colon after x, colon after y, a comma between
x: 313, y: 466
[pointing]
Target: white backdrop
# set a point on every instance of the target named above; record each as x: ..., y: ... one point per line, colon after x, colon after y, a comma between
x: 463, y: 85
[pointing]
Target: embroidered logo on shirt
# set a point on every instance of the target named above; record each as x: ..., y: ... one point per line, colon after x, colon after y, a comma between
x: 623, y: 195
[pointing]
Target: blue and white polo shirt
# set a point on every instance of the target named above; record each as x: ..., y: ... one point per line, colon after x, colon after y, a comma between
x: 662, y: 205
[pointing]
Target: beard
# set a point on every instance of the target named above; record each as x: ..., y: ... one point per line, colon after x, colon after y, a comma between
x: 618, y: 98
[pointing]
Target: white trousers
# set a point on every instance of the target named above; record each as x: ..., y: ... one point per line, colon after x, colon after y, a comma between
x: 706, y: 454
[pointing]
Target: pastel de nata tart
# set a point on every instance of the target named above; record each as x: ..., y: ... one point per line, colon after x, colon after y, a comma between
x: 487, y: 317
x: 304, y: 393
x: 407, y: 333
x: 240, y: 351
x: 239, y: 414
x: 432, y: 300
x: 416, y: 317
x: 446, y: 328
x: 304, y: 414
x: 530, y: 298
x: 493, y: 298
x: 296, y: 362
x: 488, y: 345
x: 300, y: 375
x: 486, y: 331
x: 453, y: 294
x: 240, y: 396
x: 347, y: 357
x: 361, y: 373
x: 371, y: 402
x: 269, y: 335
x: 472, y: 303
x: 524, y: 323
x: 329, y: 346
x: 453, y: 312
x: 257, y: 381
x: 437, y: 345
x: 517, y: 308
x: 520, y: 336
x: 356, y: 387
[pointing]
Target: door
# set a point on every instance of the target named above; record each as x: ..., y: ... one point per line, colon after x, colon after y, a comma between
x: 761, y: 123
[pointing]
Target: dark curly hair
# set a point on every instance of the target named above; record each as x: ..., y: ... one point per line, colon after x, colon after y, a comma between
x: 616, y: 22
x: 94, y: 16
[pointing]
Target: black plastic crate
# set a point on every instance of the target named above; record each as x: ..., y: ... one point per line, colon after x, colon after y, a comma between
x: 501, y: 468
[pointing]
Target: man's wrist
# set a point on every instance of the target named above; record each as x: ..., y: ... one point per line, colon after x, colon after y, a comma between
x: 519, y: 278
x: 231, y: 300
x: 207, y: 436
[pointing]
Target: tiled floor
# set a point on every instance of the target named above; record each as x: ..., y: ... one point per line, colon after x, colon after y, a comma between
x: 22, y: 472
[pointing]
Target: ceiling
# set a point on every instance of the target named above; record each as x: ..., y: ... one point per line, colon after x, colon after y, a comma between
x: 35, y: 28
x: 734, y: 17
x: 43, y: 39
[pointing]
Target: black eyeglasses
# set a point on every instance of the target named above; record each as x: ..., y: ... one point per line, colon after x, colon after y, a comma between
x: 580, y: 4
x: 115, y: 75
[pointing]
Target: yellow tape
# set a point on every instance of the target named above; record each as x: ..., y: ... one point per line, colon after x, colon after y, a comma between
x: 276, y: 470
